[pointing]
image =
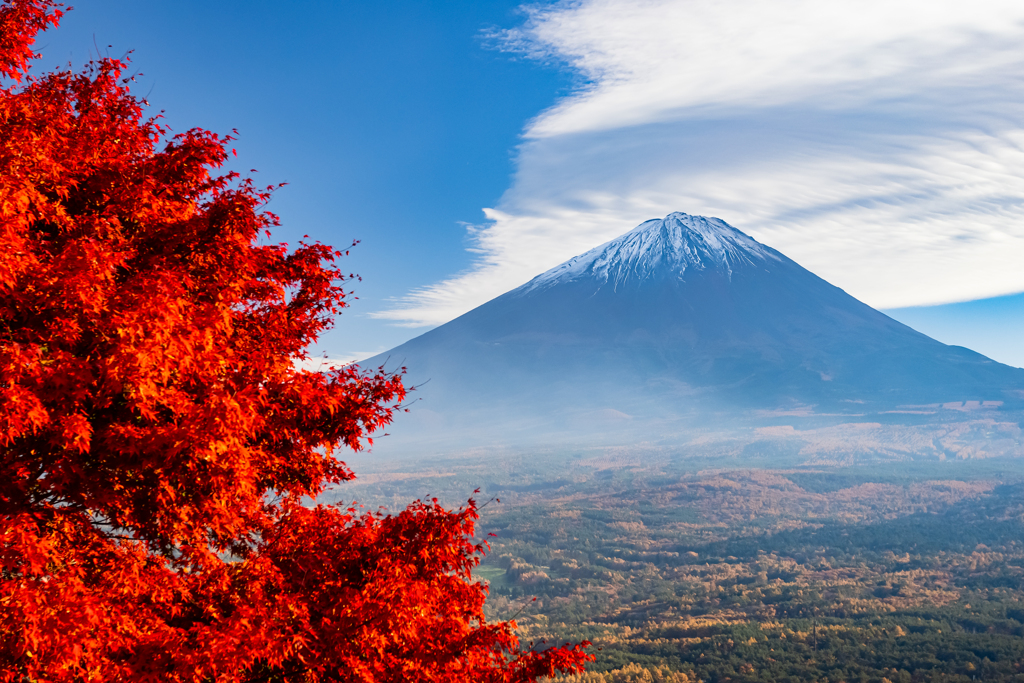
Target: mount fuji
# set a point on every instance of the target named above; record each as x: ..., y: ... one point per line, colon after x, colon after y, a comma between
x: 680, y: 321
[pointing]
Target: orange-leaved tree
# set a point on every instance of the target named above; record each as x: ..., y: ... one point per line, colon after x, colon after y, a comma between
x: 157, y: 437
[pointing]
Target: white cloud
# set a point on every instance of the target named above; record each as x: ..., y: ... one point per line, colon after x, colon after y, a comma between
x: 649, y: 60
x: 513, y: 248
x: 880, y: 144
x: 325, y: 364
x: 320, y: 364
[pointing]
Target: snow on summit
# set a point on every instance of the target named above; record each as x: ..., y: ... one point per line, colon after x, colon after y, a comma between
x: 670, y: 247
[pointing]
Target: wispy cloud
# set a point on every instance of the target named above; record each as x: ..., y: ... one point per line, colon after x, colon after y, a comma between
x: 880, y: 144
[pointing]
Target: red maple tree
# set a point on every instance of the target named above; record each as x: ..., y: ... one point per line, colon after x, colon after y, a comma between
x: 157, y: 438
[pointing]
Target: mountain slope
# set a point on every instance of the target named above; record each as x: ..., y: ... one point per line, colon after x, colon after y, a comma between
x: 679, y: 318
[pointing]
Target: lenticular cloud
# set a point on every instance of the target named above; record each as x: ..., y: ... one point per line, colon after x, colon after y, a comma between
x: 652, y: 61
x: 879, y: 143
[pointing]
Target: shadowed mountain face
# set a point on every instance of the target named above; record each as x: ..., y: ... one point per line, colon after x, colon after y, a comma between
x: 679, y: 318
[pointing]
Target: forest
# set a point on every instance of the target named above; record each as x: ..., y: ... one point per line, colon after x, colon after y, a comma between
x: 684, y: 569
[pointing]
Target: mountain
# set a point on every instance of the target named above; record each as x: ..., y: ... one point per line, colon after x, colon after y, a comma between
x: 679, y: 321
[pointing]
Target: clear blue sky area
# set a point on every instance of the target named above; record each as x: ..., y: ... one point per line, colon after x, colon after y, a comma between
x: 993, y: 327
x: 392, y: 122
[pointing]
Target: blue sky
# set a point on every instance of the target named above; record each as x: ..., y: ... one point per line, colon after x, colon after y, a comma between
x: 392, y: 123
x: 470, y: 145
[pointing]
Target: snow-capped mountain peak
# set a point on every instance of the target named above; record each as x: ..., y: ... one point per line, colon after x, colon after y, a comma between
x: 673, y: 247
x: 682, y: 320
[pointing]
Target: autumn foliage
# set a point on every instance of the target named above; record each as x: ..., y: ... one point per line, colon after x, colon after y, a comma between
x: 158, y: 439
